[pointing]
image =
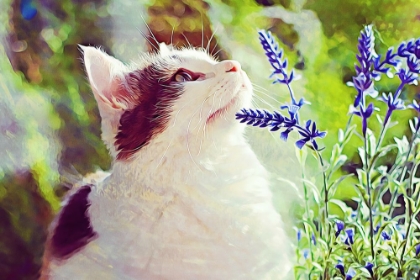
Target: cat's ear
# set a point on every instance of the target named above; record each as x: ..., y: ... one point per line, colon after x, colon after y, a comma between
x: 105, y: 75
x: 164, y: 49
x: 107, y: 79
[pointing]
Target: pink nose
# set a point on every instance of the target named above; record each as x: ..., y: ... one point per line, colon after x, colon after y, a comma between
x: 230, y: 66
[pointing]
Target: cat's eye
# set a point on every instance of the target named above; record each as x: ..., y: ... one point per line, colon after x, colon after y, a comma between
x: 182, y: 77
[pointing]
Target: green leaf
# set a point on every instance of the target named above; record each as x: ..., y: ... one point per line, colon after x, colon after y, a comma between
x: 340, y: 204
x: 402, y: 145
x: 371, y: 142
x: 361, y: 175
x: 413, y: 123
x: 336, y: 182
x: 340, y: 135
x: 314, y: 189
x: 348, y: 134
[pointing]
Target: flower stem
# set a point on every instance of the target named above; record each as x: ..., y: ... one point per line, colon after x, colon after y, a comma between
x: 325, y: 191
x: 367, y: 170
x: 382, y: 134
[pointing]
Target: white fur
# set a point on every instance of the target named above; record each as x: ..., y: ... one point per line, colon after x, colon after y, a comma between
x: 192, y: 204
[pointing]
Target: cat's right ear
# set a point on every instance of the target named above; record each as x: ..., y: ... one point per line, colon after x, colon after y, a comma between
x: 107, y: 79
x: 105, y: 75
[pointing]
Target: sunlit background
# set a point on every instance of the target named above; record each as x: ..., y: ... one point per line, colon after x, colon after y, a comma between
x: 49, y: 122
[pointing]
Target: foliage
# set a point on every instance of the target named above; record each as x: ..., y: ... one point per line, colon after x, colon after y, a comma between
x: 374, y: 240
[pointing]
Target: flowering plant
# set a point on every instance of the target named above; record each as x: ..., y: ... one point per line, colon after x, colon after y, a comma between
x: 379, y: 238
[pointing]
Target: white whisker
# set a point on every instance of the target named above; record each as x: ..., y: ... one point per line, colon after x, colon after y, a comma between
x: 267, y: 95
x: 172, y: 35
x: 261, y: 100
x: 150, y: 30
x: 202, y: 32
x: 209, y: 41
x: 146, y: 37
x: 186, y: 39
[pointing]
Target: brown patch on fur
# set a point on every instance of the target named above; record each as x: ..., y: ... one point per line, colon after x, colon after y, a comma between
x: 149, y: 116
x: 71, y: 230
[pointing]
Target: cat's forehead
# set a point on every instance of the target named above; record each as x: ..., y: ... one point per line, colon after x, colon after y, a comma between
x: 190, y: 58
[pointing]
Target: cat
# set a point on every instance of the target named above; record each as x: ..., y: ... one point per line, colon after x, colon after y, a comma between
x: 186, y: 197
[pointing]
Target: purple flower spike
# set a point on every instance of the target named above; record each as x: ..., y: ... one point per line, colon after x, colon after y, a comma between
x: 275, y: 55
x: 417, y: 249
x: 366, y: 57
x: 274, y: 120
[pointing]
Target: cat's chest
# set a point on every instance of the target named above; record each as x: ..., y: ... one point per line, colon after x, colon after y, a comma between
x: 173, y: 235
x: 230, y: 234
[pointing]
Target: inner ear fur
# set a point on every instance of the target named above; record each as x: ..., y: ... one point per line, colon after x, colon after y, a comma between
x: 106, y: 77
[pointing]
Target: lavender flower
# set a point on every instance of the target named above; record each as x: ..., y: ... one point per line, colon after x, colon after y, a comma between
x: 349, y: 236
x: 309, y: 135
x: 369, y: 267
x: 371, y: 67
x: 364, y: 113
x: 393, y: 102
x: 340, y: 227
x: 363, y: 81
x: 276, y: 121
x: 340, y: 267
x: 275, y: 55
x: 385, y: 235
x: 408, y: 77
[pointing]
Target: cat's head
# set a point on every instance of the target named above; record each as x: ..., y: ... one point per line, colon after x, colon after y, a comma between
x: 179, y: 95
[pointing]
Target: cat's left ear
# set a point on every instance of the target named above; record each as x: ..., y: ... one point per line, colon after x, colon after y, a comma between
x: 105, y: 75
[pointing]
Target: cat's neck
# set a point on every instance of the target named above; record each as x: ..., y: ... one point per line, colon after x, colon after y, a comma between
x: 174, y: 169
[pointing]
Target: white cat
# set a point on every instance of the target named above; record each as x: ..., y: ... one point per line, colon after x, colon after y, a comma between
x: 186, y: 197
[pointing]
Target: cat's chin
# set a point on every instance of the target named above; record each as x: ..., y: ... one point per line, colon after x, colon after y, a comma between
x: 226, y: 111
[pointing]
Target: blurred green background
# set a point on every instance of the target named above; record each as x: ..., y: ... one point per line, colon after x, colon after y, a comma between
x: 49, y: 123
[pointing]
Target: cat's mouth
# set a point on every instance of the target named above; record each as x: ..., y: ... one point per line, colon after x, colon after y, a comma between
x: 216, y: 114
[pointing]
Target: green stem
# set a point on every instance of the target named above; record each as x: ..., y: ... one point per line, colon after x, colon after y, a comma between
x: 372, y: 248
x: 325, y: 191
x: 305, y: 191
x: 382, y: 134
